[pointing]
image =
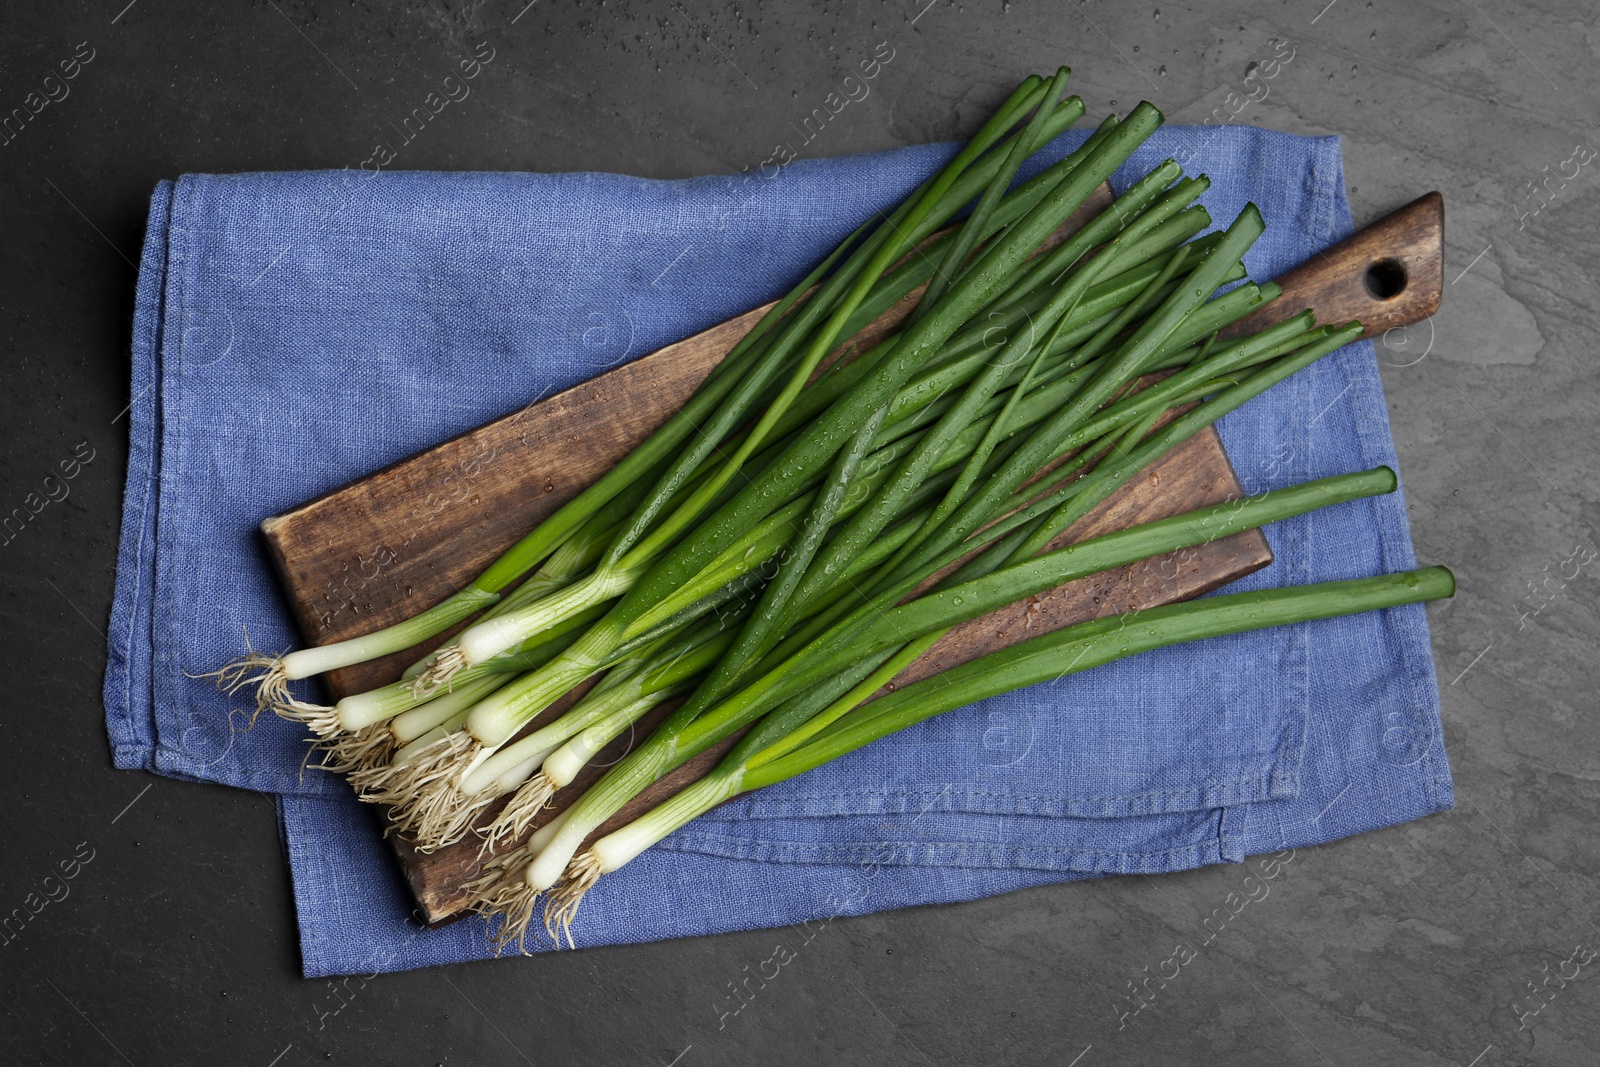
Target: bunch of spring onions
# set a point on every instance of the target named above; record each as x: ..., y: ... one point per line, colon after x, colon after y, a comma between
x: 807, y: 526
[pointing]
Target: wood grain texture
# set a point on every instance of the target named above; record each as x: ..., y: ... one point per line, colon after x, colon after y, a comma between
x: 385, y: 547
x: 1388, y: 275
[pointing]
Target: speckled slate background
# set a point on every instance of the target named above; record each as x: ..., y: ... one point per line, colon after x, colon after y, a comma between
x: 1458, y: 940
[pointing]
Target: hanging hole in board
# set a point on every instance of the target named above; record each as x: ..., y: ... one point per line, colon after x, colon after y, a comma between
x: 1385, y: 279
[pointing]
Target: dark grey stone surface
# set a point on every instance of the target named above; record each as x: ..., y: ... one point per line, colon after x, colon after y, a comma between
x: 1412, y: 946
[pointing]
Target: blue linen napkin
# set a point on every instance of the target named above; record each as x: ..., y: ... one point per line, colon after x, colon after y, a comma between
x: 296, y: 331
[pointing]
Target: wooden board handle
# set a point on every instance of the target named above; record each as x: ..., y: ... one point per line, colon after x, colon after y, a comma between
x: 1386, y: 275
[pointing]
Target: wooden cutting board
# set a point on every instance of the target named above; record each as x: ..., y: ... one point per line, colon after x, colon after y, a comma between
x: 385, y: 547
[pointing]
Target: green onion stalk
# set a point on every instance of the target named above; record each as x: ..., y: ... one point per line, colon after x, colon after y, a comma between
x: 828, y: 659
x: 350, y: 738
x: 1045, y: 512
x: 766, y: 758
